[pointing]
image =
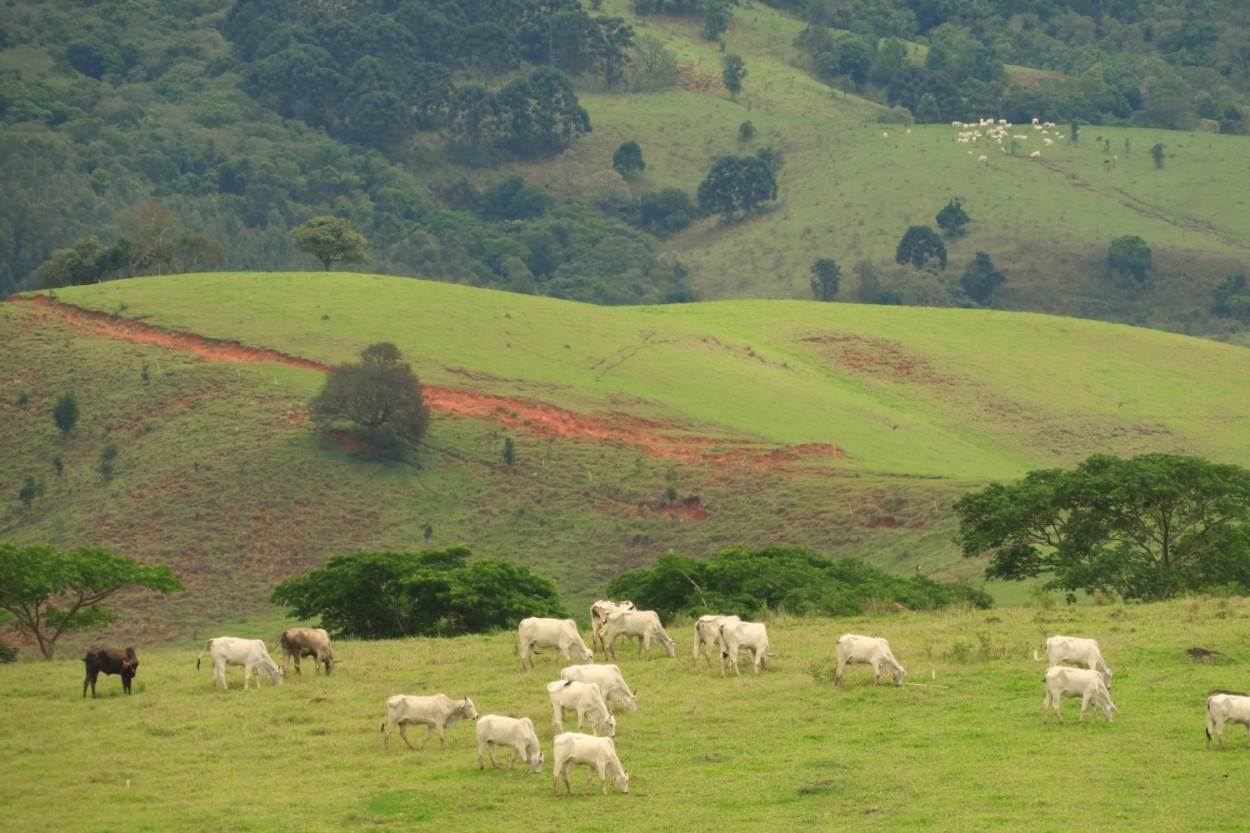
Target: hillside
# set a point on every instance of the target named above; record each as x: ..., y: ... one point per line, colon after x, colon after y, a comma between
x: 848, y: 429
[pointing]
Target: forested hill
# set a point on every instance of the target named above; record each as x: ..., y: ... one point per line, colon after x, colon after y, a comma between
x: 561, y: 149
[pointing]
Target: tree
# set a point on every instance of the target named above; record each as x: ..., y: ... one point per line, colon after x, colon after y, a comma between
x: 1145, y: 528
x: 1231, y: 299
x: 716, y: 17
x: 387, y: 595
x: 380, y: 394
x: 920, y: 244
x: 736, y: 184
x: 331, y: 240
x: 981, y: 279
x: 733, y: 70
x: 65, y: 412
x: 49, y: 592
x: 628, y: 159
x: 825, y: 276
x: 1156, y: 153
x: 952, y: 219
x: 1129, y: 255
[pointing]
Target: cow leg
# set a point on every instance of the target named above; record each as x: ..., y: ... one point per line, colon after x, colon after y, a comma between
x: 126, y: 678
x: 603, y: 776
x: 403, y: 733
x: 89, y: 679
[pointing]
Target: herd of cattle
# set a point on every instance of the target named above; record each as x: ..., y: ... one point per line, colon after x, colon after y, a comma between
x: 1076, y: 669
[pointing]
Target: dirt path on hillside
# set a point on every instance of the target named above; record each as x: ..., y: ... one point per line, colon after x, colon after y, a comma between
x: 528, y: 415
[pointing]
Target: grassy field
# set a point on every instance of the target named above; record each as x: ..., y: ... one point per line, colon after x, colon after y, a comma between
x: 963, y: 750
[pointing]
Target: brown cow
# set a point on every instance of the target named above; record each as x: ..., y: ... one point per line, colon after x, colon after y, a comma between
x: 307, y: 642
x: 110, y: 661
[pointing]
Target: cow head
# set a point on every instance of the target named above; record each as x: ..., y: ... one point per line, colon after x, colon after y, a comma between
x: 467, y: 710
x: 536, y: 762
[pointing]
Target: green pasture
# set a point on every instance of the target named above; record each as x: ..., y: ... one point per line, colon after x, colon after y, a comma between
x: 963, y: 749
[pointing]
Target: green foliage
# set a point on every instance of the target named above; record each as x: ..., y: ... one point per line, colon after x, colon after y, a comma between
x: 919, y: 246
x: 1130, y: 257
x: 380, y: 393
x: 733, y: 72
x: 825, y: 277
x: 31, y: 489
x: 509, y: 451
x: 1156, y: 153
x: 1231, y: 299
x: 105, y: 464
x: 627, y: 160
x: 746, y: 131
x: 48, y: 592
x: 737, y: 185
x: 331, y: 240
x: 383, y: 595
x: 716, y: 17
x: 952, y: 219
x: 1144, y: 528
x: 65, y: 412
x: 792, y: 579
x: 981, y: 279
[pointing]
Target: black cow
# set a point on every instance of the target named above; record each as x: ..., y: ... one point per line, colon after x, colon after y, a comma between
x: 110, y: 661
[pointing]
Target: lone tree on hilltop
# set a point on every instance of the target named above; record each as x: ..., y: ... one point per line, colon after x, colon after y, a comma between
x: 48, y: 592
x: 380, y: 393
x: 331, y: 240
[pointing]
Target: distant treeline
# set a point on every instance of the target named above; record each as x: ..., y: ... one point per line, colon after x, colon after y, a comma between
x: 746, y: 582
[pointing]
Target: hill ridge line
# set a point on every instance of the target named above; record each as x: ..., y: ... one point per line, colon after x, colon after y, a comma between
x: 529, y: 415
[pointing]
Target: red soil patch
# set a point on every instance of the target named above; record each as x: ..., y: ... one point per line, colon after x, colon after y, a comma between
x: 531, y: 416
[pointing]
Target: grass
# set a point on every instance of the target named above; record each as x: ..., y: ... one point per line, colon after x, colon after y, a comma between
x: 779, y: 749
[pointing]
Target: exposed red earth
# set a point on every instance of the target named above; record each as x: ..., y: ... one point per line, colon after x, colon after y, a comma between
x: 528, y: 415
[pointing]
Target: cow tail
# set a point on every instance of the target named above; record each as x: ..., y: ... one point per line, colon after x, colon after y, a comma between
x: 207, y: 645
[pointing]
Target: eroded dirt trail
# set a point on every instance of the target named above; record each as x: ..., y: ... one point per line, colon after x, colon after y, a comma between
x: 531, y: 416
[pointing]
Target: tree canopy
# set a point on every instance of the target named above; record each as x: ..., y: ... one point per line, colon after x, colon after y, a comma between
x: 919, y: 245
x: 826, y: 274
x: 331, y: 240
x: 48, y: 592
x: 1144, y: 528
x: 380, y: 393
x: 387, y: 595
x: 746, y: 582
x: 737, y: 185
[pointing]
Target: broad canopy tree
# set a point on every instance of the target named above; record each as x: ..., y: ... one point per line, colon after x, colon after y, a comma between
x: 737, y: 185
x: 1146, y: 528
x: 388, y: 595
x: 331, y: 240
x: 380, y: 393
x: 48, y: 592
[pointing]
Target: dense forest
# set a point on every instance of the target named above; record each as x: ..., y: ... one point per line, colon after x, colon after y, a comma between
x: 143, y: 137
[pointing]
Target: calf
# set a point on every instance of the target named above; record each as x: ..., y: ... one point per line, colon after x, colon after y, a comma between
x: 872, y: 650
x: 1062, y: 681
x: 1227, y: 707
x: 110, y: 661
x: 596, y: 753
x: 584, y: 699
x: 517, y: 732
x: 298, y: 643
x: 751, y: 637
x: 435, y: 712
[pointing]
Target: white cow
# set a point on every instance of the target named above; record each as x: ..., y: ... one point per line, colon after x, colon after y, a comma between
x: 535, y: 633
x: 434, y: 712
x: 1062, y: 681
x: 596, y: 753
x: 517, y: 732
x: 644, y: 624
x: 250, y: 653
x: 585, y: 700
x: 707, y: 635
x: 1073, y: 650
x: 872, y: 650
x: 751, y: 637
x: 598, y: 612
x: 610, y: 680
x: 1227, y: 707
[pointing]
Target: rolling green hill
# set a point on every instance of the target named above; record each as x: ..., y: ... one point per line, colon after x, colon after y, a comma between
x: 848, y: 429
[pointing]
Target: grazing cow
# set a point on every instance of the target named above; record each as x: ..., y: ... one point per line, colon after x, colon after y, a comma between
x: 1073, y: 650
x: 868, y: 649
x: 644, y: 624
x: 1227, y: 707
x: 585, y: 700
x: 298, y: 643
x: 609, y: 679
x: 596, y: 753
x: 598, y: 612
x: 110, y: 661
x: 435, y: 712
x: 707, y: 635
x: 250, y: 653
x: 1063, y: 681
x: 535, y: 633
x: 516, y: 732
x: 751, y: 637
